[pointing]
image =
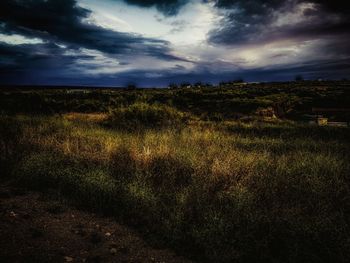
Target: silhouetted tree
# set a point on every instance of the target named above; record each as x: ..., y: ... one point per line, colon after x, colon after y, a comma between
x: 131, y: 86
x: 173, y: 86
x: 185, y: 84
x: 239, y: 80
x: 198, y: 84
x: 299, y: 78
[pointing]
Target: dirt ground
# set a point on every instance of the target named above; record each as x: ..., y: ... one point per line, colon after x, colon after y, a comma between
x: 35, y: 229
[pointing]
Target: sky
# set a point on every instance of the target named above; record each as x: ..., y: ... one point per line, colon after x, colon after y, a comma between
x: 156, y: 42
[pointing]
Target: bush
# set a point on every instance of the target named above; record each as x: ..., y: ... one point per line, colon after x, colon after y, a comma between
x: 143, y: 115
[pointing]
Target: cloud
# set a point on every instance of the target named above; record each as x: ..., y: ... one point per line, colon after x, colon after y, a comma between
x: 49, y: 63
x: 338, y: 6
x: 310, y: 70
x: 254, y: 21
x: 63, y: 42
x: 167, y: 7
x: 61, y: 21
x: 34, y: 63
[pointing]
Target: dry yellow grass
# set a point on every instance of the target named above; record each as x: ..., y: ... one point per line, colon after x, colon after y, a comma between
x: 230, y: 191
x: 89, y: 117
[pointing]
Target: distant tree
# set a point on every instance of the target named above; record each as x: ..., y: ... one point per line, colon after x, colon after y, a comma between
x: 239, y: 80
x: 232, y: 82
x: 198, y: 84
x: 172, y: 86
x: 299, y: 78
x: 131, y: 86
x: 185, y: 85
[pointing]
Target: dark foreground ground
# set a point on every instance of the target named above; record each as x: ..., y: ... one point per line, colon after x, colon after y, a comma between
x: 36, y: 229
x: 225, y: 174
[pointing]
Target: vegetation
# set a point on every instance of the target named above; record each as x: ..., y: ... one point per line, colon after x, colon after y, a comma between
x: 218, y: 190
x: 143, y: 115
x: 228, y: 101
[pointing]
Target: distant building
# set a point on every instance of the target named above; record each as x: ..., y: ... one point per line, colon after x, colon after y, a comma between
x: 77, y: 91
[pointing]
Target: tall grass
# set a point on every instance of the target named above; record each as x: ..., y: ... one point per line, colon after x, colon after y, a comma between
x: 142, y: 115
x: 224, y: 192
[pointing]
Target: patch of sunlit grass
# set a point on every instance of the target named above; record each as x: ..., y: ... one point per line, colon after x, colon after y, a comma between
x: 87, y: 117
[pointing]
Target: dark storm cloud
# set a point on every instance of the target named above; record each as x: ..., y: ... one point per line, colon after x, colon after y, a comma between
x: 38, y: 55
x: 338, y: 6
x: 167, y: 7
x: 49, y: 64
x: 262, y: 6
x: 61, y: 21
x: 311, y: 70
x: 27, y: 63
x: 251, y: 6
x: 251, y: 21
x: 28, y: 58
x: 244, y: 22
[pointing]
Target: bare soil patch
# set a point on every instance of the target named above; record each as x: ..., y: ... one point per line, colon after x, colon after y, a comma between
x: 34, y: 228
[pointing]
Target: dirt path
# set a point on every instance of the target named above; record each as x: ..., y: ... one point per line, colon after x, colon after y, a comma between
x: 34, y: 229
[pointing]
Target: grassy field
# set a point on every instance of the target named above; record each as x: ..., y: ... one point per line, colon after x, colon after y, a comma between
x: 224, y: 102
x: 216, y: 191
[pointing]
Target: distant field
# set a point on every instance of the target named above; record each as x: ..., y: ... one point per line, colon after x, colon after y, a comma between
x: 224, y: 102
x: 201, y: 170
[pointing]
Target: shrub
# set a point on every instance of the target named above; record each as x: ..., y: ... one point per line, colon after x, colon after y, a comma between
x: 143, y: 115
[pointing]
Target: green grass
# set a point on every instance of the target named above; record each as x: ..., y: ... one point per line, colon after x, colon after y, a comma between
x: 219, y: 192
